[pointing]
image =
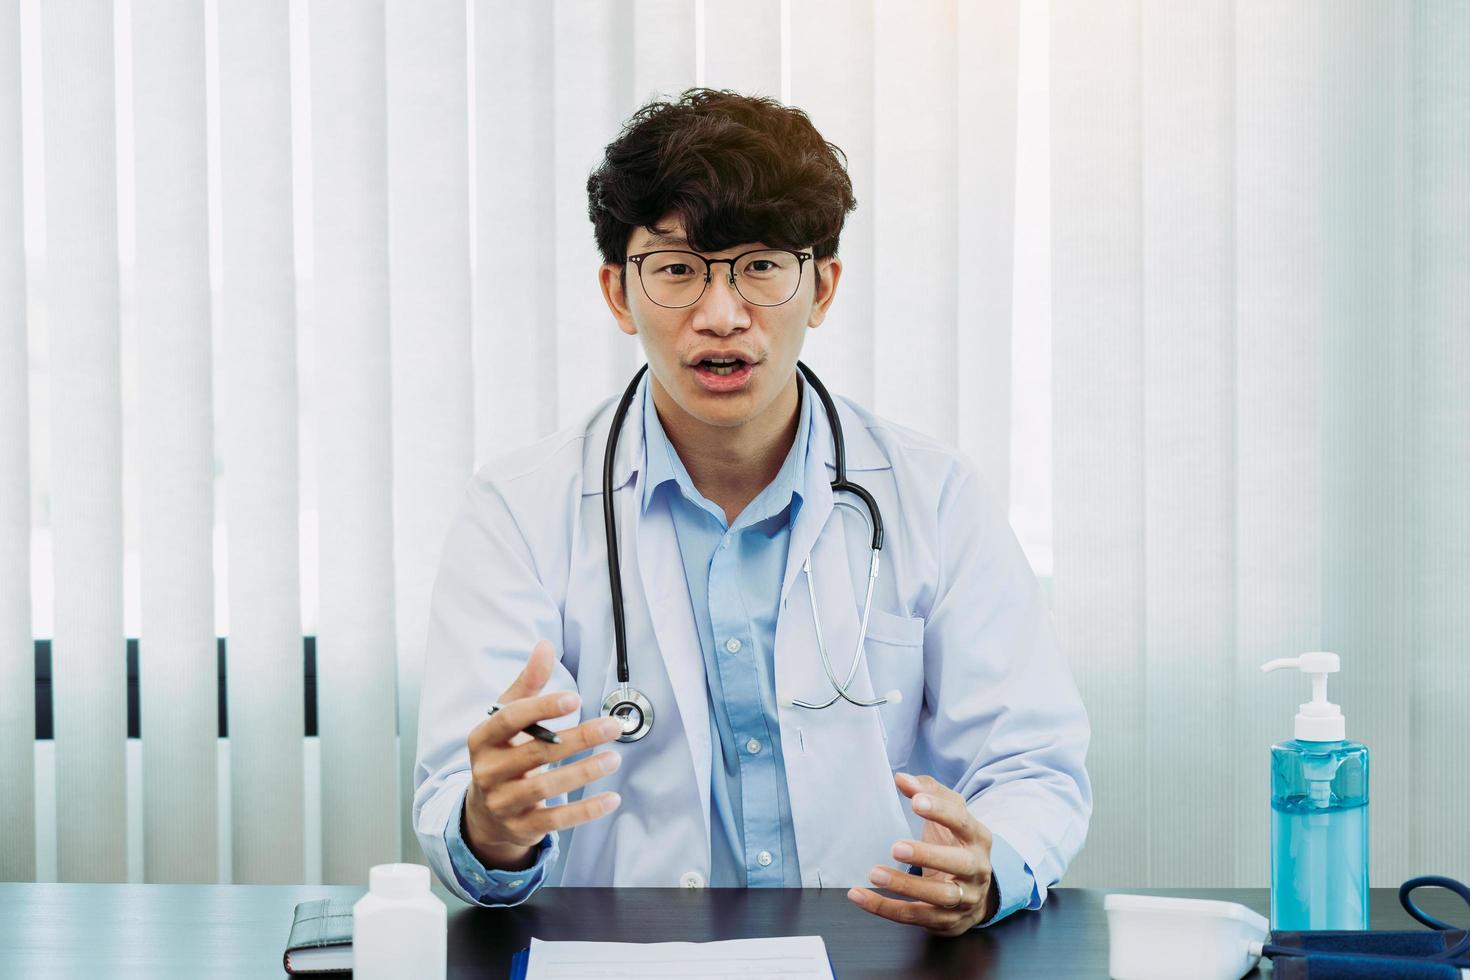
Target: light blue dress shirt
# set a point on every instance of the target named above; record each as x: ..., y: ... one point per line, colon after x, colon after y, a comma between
x: 734, y: 574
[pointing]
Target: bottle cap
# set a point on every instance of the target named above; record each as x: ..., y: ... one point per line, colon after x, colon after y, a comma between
x: 1319, y: 720
x: 398, y: 880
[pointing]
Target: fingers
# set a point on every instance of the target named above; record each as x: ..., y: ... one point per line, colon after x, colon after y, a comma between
x: 962, y: 862
x: 517, y: 760
x: 939, y: 892
x: 533, y: 676
x: 533, y: 753
x: 506, y: 793
x: 920, y: 913
x: 537, y: 821
x: 934, y: 801
x: 522, y: 794
x: 499, y: 728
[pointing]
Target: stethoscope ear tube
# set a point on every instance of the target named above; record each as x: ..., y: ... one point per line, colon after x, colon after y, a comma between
x: 839, y: 456
x: 610, y: 524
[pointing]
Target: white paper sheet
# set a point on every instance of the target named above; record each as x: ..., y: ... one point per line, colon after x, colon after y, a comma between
x: 786, y: 957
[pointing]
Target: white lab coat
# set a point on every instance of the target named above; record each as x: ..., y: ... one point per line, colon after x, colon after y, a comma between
x: 958, y: 625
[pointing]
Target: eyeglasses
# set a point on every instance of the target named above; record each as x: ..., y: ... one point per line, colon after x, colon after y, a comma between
x: 764, y: 277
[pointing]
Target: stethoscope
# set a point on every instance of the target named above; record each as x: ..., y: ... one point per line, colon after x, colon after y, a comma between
x: 630, y: 705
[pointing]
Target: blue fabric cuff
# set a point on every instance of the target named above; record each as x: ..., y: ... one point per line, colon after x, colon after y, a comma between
x: 1009, y: 876
x: 489, y: 886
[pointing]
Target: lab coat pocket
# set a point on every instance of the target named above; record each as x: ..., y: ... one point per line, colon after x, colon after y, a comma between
x: 895, y: 655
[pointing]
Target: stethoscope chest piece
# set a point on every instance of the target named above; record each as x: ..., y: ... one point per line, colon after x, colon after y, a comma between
x: 632, y: 710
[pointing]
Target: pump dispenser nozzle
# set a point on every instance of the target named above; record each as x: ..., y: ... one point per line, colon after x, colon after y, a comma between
x: 1319, y: 720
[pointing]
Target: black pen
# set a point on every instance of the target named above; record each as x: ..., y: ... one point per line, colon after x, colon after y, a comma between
x: 544, y: 734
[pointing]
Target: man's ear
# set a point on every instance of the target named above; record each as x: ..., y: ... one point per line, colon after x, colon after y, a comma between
x: 826, y: 288
x: 610, y: 278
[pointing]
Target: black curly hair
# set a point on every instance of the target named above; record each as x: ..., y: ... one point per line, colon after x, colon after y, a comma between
x: 735, y: 168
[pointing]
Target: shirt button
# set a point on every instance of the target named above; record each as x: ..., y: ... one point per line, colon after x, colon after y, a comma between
x: 733, y: 645
x: 692, y: 879
x: 518, y: 883
x: 763, y: 858
x: 753, y: 746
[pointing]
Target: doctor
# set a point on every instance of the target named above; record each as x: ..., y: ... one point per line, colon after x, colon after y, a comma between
x: 958, y: 799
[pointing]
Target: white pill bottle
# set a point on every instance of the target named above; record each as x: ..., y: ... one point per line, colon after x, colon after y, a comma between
x: 399, y: 927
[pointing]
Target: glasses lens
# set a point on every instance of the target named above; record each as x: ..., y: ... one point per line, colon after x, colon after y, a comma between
x: 673, y: 278
x: 768, y: 278
x: 677, y: 279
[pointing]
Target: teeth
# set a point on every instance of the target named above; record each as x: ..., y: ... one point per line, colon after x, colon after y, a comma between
x: 722, y: 366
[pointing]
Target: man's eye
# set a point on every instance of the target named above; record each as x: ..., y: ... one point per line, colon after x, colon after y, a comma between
x: 766, y: 265
x: 677, y: 269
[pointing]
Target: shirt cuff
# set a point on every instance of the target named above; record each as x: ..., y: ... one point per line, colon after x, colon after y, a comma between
x: 1009, y: 876
x: 1012, y: 878
x: 491, y: 886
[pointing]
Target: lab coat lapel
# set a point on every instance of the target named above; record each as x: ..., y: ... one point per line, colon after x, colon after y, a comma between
x: 816, y: 505
x: 661, y: 573
x: 844, y: 804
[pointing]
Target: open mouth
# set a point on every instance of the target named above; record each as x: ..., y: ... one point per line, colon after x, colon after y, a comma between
x: 721, y: 367
x: 723, y: 374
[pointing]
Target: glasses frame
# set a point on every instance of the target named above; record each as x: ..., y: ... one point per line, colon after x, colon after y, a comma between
x: 801, y: 259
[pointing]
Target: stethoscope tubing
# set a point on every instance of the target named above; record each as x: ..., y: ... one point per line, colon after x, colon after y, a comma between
x: 609, y: 523
x: 857, y: 653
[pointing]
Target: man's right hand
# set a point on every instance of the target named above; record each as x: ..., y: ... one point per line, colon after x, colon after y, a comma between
x: 504, y: 815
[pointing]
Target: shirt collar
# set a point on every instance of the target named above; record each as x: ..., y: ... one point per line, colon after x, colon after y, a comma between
x: 662, y: 463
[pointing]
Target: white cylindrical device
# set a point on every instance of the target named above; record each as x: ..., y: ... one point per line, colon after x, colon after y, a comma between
x: 399, y: 928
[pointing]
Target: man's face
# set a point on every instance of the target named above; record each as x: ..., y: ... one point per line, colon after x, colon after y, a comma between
x: 721, y: 323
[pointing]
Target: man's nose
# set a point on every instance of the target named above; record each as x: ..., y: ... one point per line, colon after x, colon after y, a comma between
x: 721, y: 307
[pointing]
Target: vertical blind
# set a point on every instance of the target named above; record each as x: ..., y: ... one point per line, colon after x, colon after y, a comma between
x: 259, y: 441
x: 84, y: 347
x: 175, y: 493
x: 17, y: 670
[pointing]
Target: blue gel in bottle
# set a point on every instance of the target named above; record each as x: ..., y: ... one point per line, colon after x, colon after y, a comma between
x: 1319, y: 835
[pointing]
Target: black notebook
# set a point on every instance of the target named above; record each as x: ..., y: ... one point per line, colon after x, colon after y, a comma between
x: 321, y: 937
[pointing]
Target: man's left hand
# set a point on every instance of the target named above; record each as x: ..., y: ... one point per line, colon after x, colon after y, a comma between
x: 956, y: 892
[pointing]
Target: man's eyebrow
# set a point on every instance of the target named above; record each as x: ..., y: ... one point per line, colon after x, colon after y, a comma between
x: 655, y: 240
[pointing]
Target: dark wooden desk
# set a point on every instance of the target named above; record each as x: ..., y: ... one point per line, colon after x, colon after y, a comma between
x: 223, y: 931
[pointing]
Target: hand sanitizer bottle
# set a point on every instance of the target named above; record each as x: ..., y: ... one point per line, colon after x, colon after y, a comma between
x: 1319, y: 814
x: 399, y: 928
